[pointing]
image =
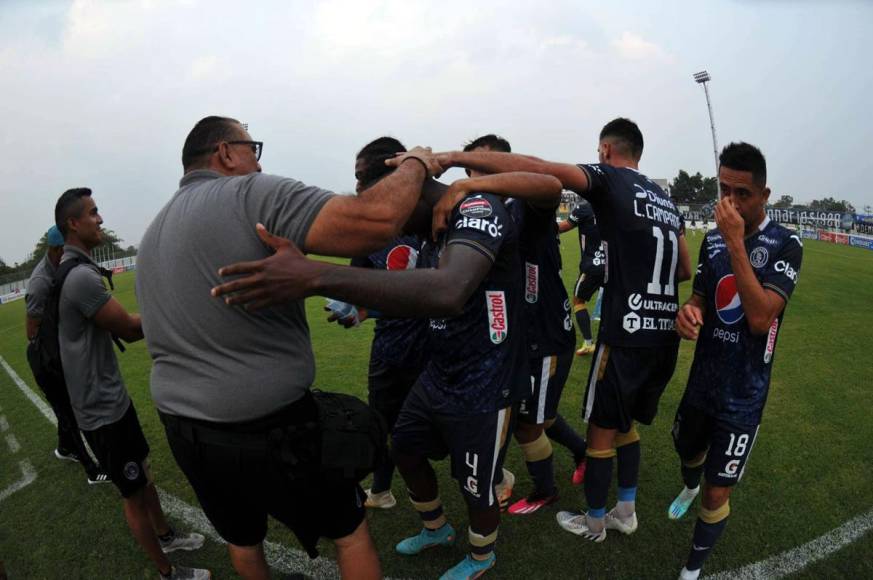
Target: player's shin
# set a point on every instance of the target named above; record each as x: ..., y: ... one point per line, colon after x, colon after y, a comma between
x: 710, y: 524
x: 539, y: 459
x: 628, y: 457
x: 563, y: 434
x: 583, y: 320
x: 482, y: 533
x: 692, y: 471
x: 597, y: 479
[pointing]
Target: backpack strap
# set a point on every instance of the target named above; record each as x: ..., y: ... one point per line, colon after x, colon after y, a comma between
x: 64, y: 270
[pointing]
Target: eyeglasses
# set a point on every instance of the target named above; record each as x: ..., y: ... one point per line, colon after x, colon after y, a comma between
x: 257, y: 147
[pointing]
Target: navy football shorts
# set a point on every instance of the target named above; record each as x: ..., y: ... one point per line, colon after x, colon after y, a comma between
x: 476, y: 445
x: 727, y: 445
x: 548, y: 376
x: 122, y: 450
x: 590, y: 279
x: 625, y: 384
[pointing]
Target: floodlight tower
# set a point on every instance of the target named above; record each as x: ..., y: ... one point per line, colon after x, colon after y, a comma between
x: 702, y: 78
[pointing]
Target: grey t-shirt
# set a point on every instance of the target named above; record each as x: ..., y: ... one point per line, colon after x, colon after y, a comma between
x: 212, y: 361
x: 38, y: 287
x: 94, y: 382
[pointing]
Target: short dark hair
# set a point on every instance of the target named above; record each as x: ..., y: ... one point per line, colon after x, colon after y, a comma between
x: 627, y: 136
x: 374, y: 154
x: 69, y: 205
x: 491, y: 141
x: 208, y: 132
x: 744, y: 157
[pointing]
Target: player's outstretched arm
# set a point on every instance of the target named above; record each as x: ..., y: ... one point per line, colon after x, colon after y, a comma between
x: 570, y: 176
x: 689, y: 319
x: 534, y: 188
x: 357, y: 225
x: 289, y: 275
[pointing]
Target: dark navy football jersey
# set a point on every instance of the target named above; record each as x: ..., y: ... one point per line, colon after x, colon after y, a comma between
x: 398, y: 341
x: 477, y: 361
x: 583, y: 218
x: 730, y: 375
x: 546, y: 305
x: 639, y: 226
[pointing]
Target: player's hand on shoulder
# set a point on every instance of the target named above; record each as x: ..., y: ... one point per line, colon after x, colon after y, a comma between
x: 442, y: 211
x: 689, y: 319
x: 282, y: 277
x: 422, y: 154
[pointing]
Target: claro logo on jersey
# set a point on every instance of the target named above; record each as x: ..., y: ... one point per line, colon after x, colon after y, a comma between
x: 727, y: 300
x: 531, y: 282
x: 785, y: 268
x: 498, y: 324
x: 493, y: 229
x: 401, y: 257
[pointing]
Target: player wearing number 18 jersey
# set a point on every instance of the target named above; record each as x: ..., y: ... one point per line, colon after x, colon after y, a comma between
x: 645, y: 260
x: 747, y: 270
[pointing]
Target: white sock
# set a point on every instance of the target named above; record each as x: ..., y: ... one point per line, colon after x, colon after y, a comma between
x: 625, y: 509
x: 687, y: 574
x: 690, y: 493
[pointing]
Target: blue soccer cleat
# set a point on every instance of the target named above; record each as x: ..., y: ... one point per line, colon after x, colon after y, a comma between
x: 682, y: 502
x: 444, y: 536
x: 470, y: 568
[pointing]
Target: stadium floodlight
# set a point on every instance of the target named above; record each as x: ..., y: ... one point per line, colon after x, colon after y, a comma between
x: 702, y: 78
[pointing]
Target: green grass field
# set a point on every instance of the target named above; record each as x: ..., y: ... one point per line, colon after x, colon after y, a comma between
x: 810, y: 471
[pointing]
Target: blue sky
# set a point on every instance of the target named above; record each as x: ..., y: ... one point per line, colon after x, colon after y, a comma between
x: 102, y: 94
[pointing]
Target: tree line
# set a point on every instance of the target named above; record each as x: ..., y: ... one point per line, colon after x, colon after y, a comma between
x: 697, y: 189
x: 111, y: 246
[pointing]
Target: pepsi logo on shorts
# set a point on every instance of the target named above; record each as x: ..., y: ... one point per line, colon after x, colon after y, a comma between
x: 401, y: 257
x: 727, y: 300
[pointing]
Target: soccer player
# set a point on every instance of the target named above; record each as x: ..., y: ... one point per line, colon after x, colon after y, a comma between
x: 398, y: 352
x: 637, y: 345
x: 550, y: 342
x: 70, y: 446
x: 462, y: 406
x: 88, y: 319
x: 591, y: 269
x: 747, y: 271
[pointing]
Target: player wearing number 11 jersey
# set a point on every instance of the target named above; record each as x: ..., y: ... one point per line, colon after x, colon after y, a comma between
x: 646, y: 258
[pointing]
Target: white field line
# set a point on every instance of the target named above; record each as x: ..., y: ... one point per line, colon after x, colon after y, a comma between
x: 13, y: 443
x: 4, y: 424
x: 282, y: 558
x: 796, y: 559
x: 28, y: 476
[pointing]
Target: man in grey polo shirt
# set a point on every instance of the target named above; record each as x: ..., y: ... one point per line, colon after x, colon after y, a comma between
x: 88, y: 319
x: 223, y: 378
x: 70, y: 446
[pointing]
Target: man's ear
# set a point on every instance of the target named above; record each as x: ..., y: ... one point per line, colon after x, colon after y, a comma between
x: 766, y: 194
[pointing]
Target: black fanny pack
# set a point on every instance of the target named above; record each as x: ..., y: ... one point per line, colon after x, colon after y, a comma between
x: 354, y: 437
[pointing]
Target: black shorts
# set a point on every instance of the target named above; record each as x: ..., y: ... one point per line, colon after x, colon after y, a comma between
x: 236, y: 472
x: 548, y: 376
x: 121, y: 449
x: 625, y: 384
x: 727, y: 445
x: 590, y: 279
x: 476, y: 444
x: 388, y: 386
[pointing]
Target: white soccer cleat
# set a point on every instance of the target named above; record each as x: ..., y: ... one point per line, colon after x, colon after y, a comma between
x: 381, y: 500
x: 682, y: 502
x: 578, y: 524
x: 686, y: 574
x: 626, y: 526
x: 187, y: 542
